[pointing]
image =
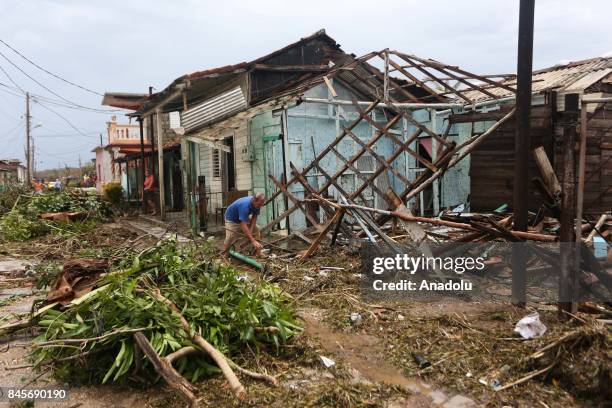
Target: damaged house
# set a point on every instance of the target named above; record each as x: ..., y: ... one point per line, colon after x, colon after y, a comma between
x: 248, y: 127
x: 310, y: 119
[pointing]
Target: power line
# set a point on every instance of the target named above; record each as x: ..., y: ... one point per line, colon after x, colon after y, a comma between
x: 11, y: 79
x: 42, y: 85
x: 60, y: 116
x: 55, y: 102
x: 49, y: 72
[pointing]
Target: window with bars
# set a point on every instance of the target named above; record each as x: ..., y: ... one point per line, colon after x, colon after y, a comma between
x: 216, y: 163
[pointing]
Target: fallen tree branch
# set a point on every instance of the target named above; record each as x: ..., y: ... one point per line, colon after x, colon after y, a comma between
x: 87, y: 340
x: 526, y: 378
x: 186, y: 351
x: 215, y: 354
x: 165, y: 369
x: 13, y: 327
x: 253, y: 374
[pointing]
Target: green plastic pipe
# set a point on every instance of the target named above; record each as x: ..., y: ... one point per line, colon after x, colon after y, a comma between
x: 246, y: 259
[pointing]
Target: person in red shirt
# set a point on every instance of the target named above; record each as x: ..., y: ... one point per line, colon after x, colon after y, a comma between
x: 149, y: 191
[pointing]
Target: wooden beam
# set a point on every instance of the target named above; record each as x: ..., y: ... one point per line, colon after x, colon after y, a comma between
x: 325, y: 151
x: 294, y: 200
x: 584, y: 132
x: 434, y: 93
x: 315, y: 244
x: 548, y: 173
x: 160, y: 164
x: 330, y: 87
x: 285, y: 68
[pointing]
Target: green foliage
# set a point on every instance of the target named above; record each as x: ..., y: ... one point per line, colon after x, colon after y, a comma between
x: 227, y: 312
x: 22, y: 221
x: 21, y: 226
x: 72, y: 201
x: 113, y: 192
x: 10, y: 196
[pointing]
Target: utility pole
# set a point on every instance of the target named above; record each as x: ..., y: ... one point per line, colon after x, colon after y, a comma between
x: 28, y: 143
x: 521, y: 147
x: 100, y: 139
x: 80, y: 168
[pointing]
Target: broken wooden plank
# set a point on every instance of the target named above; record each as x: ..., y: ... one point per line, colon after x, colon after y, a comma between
x: 546, y: 170
x: 322, y: 235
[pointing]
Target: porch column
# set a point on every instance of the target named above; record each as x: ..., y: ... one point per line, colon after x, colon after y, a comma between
x: 160, y: 164
x: 142, y: 165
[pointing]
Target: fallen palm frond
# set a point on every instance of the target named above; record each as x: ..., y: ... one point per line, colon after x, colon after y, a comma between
x: 174, y: 298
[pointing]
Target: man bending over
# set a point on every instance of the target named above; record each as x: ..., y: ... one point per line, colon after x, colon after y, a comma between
x: 241, y: 222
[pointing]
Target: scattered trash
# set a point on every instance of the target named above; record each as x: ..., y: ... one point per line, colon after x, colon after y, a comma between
x: 242, y: 278
x: 355, y: 319
x: 459, y: 209
x: 469, y: 375
x: 600, y: 248
x: 421, y: 360
x: 323, y: 273
x: 308, y: 278
x: 327, y: 362
x: 400, y: 317
x: 530, y: 326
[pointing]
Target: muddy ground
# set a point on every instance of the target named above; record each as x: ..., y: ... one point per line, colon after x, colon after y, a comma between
x: 470, y: 347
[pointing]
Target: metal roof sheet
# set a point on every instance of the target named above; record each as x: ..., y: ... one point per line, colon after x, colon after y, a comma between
x: 575, y: 76
x: 213, y: 109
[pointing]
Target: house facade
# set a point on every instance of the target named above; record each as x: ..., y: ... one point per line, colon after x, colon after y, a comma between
x: 12, y: 172
x: 122, y: 140
x: 304, y: 110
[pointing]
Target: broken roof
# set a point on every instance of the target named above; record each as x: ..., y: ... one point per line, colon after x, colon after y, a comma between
x: 123, y: 100
x: 575, y: 76
x: 202, y: 82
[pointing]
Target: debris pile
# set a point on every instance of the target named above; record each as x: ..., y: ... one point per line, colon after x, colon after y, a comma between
x: 170, y: 311
x: 25, y: 215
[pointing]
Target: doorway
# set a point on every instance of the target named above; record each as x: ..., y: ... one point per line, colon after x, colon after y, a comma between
x: 229, y: 169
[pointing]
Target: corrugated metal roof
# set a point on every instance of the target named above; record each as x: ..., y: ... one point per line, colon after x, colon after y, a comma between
x: 214, y: 109
x: 575, y: 76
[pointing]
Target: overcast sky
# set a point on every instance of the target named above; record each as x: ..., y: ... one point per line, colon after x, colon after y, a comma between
x: 123, y: 45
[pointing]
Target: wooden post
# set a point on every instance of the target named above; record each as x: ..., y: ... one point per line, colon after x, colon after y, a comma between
x: 434, y: 156
x: 142, y: 165
x: 160, y: 164
x: 568, y: 281
x: 521, y: 146
x: 581, y: 170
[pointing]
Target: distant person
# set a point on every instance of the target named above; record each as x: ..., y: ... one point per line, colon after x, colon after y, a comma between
x: 149, y: 192
x: 57, y: 185
x: 38, y: 187
x: 241, y: 223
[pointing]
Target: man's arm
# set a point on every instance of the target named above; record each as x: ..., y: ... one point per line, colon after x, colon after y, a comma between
x: 252, y: 222
x: 246, y: 230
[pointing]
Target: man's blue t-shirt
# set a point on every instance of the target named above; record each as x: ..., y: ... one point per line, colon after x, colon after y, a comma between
x: 239, y: 210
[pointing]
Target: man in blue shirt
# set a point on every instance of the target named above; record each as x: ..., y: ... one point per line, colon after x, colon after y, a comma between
x: 241, y: 222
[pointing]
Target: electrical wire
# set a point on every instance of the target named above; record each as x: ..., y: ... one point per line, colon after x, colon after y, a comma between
x: 47, y: 88
x: 61, y: 117
x: 10, y: 79
x: 49, y: 72
x: 12, y: 91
